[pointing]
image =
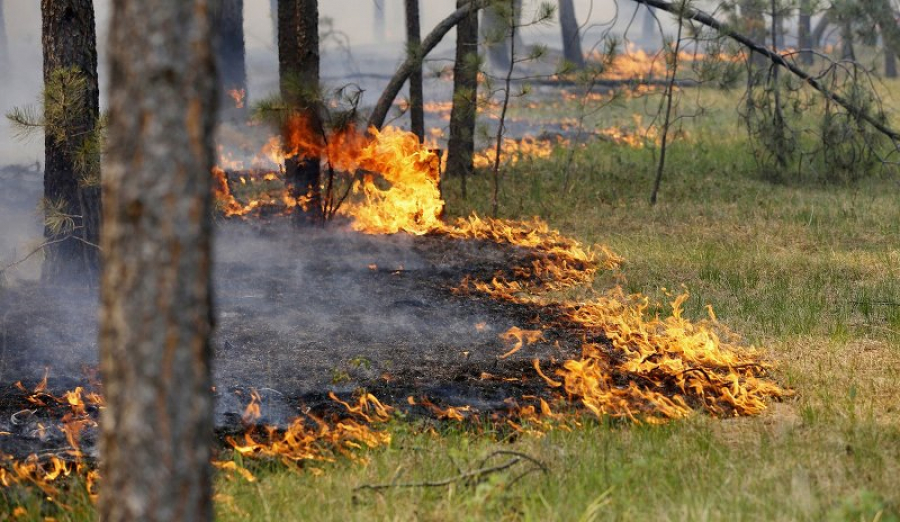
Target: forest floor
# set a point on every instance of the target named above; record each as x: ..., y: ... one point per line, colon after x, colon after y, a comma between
x: 809, y: 272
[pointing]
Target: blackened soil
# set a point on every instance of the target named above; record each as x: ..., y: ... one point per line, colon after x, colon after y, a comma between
x: 301, y: 314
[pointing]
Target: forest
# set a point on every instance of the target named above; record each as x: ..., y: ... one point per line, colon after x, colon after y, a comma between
x: 449, y: 260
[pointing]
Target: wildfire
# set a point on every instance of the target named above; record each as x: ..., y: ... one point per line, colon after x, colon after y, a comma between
x: 313, y: 439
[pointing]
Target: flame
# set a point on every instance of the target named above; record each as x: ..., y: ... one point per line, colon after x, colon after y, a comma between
x: 313, y: 439
x: 238, y: 96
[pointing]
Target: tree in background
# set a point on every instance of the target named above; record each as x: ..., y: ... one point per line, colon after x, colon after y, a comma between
x: 231, y: 59
x: 155, y: 317
x: 461, y: 145
x: 414, y: 46
x: 495, y: 30
x: 298, y: 68
x: 571, y: 37
x: 71, y: 141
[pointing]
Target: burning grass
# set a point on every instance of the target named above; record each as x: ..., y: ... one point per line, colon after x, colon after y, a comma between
x: 633, y: 365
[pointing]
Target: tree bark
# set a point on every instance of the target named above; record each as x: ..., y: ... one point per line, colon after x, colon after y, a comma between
x: 231, y: 59
x: 571, y: 37
x: 298, y: 68
x: 461, y: 146
x: 380, y: 111
x: 413, y: 46
x: 70, y: 188
x: 155, y: 317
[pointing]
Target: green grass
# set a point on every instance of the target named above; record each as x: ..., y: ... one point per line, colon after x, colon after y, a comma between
x: 810, y: 273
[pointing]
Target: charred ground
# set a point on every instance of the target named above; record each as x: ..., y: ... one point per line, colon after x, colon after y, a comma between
x: 300, y: 314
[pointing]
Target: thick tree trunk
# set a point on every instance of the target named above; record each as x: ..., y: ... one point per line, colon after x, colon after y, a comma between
x: 298, y: 67
x: 380, y: 111
x: 70, y: 185
x: 571, y: 37
x: 155, y: 317
x: 461, y: 146
x: 414, y: 46
x: 805, y: 32
x: 231, y: 57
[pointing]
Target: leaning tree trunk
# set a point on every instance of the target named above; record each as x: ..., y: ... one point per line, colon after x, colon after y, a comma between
x: 461, y: 146
x: 231, y: 58
x: 414, y: 46
x: 571, y: 37
x: 155, y: 317
x: 298, y: 68
x: 71, y: 168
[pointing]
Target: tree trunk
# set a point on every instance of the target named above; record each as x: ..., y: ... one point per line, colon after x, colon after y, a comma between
x: 155, y: 317
x: 414, y: 46
x: 380, y: 111
x: 890, y: 63
x: 571, y: 37
x: 461, y: 146
x: 847, y: 51
x: 884, y: 15
x: 71, y: 185
x: 755, y: 26
x: 805, y: 32
x: 298, y: 68
x: 231, y: 58
x: 495, y: 31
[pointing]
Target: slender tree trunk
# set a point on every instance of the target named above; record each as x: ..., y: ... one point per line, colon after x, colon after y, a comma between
x: 805, y: 32
x: 155, y: 317
x: 380, y: 111
x: 754, y: 25
x: 298, y: 67
x: 71, y: 187
x: 884, y: 15
x: 571, y: 37
x: 890, y: 63
x: 495, y: 31
x: 414, y: 46
x: 847, y: 51
x: 461, y: 146
x: 231, y: 57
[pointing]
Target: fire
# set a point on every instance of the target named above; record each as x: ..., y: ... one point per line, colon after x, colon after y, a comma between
x: 238, y: 96
x: 313, y: 439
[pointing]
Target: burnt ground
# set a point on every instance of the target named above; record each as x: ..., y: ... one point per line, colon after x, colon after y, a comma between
x: 302, y: 314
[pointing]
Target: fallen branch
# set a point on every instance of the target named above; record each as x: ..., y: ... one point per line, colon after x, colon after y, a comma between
x: 414, y: 61
x: 469, y: 477
x: 707, y: 20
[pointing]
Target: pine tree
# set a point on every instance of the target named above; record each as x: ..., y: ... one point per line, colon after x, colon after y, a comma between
x: 155, y: 317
